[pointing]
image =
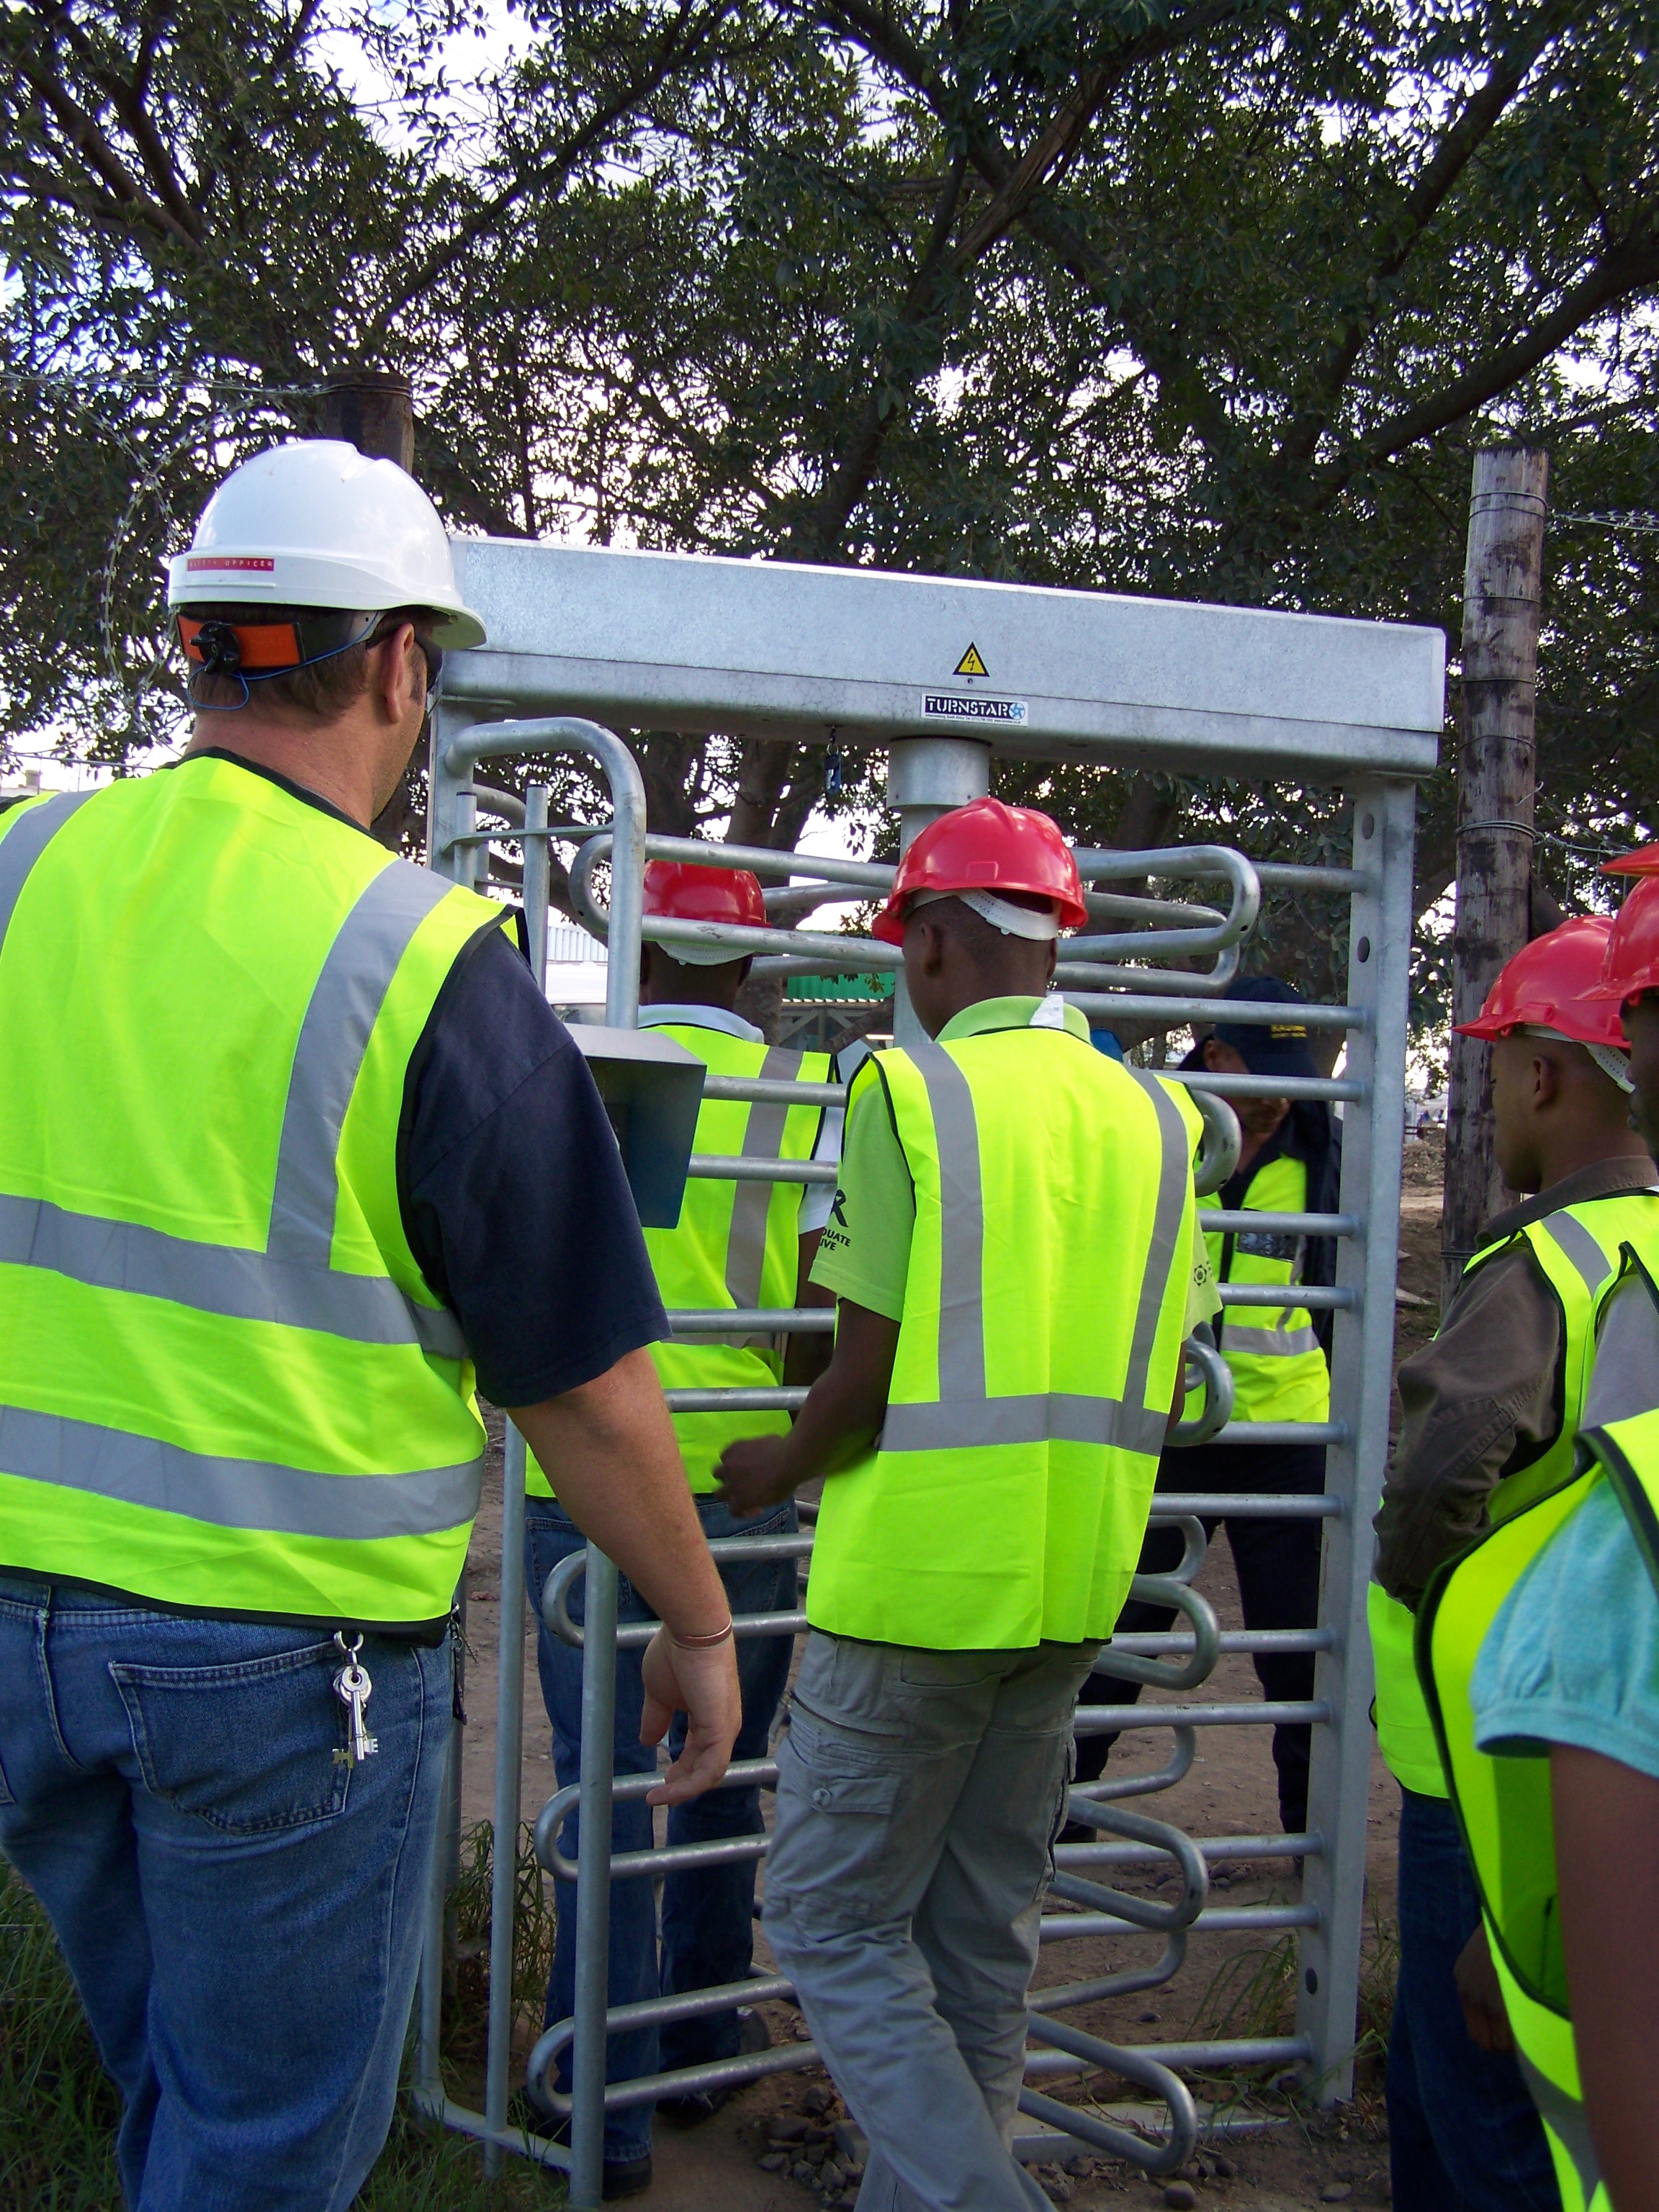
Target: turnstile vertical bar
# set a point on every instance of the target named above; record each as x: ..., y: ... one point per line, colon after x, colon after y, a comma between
x: 536, y: 876
x: 590, y: 2049
x: 429, y: 1992
x: 509, y: 1755
x: 588, y: 2056
x: 509, y: 1670
x: 1327, y: 1988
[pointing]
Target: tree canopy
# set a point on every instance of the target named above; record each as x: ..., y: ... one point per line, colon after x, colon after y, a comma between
x: 1204, y: 298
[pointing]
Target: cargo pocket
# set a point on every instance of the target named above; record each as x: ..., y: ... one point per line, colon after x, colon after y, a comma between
x: 834, y: 1848
x: 250, y: 1748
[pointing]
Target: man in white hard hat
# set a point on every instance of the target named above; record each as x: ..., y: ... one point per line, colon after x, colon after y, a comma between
x: 292, y: 1148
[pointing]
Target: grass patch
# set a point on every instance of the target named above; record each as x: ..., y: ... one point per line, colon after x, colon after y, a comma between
x: 58, y: 2112
x: 1253, y: 1993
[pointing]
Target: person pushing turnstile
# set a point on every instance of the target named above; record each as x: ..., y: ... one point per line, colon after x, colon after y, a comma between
x: 1538, y: 1648
x: 1288, y: 1165
x: 1492, y: 1410
x: 1012, y: 1249
x: 738, y: 1245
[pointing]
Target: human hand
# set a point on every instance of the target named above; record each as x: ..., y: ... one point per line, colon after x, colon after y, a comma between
x: 753, y: 1473
x: 700, y: 1682
x: 1481, y: 1995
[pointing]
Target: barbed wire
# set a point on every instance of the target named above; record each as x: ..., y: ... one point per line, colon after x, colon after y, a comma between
x: 225, y: 398
x: 55, y: 379
x: 1613, y: 518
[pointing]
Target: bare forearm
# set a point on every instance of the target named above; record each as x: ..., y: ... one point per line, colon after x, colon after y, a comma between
x: 609, y: 1450
x: 805, y: 1356
x: 843, y: 1412
x: 1607, y: 1850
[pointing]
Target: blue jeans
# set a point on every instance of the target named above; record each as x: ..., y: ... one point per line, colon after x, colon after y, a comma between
x: 1463, y: 2134
x: 240, y: 1911
x: 708, y: 1916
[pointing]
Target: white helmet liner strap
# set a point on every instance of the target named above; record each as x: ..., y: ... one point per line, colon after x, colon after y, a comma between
x: 1002, y: 913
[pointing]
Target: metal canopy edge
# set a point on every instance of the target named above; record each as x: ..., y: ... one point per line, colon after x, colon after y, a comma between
x: 700, y: 643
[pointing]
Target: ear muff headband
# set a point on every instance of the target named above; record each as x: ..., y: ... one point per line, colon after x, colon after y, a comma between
x: 254, y: 652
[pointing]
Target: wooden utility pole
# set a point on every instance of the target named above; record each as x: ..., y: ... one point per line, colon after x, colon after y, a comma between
x: 373, y: 409
x: 1496, y: 780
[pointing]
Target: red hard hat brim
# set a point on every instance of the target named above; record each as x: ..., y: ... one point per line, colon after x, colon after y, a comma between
x: 1619, y: 994
x: 1479, y: 1029
x: 1644, y: 861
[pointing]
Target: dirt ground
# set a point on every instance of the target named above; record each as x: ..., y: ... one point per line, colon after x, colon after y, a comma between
x: 1305, y: 2160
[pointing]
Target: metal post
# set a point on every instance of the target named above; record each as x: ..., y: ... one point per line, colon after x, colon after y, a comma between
x: 509, y: 1666
x: 429, y: 1993
x: 926, y: 778
x: 587, y: 2063
x: 1362, y: 1378
x: 509, y: 1755
x: 537, y: 875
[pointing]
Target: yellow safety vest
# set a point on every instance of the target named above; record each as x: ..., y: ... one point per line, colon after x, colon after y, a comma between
x: 1577, y: 1249
x: 1278, y: 1367
x: 737, y: 1245
x: 1004, y: 1500
x: 1503, y: 1804
x: 224, y: 1384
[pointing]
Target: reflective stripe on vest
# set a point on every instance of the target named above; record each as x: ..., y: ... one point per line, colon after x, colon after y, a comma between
x: 290, y: 1281
x: 1502, y: 1807
x: 963, y: 1414
x: 1577, y: 1250
x: 1004, y: 1500
x: 737, y: 1244
x: 1504, y: 1804
x: 1278, y: 1368
x: 283, y: 1427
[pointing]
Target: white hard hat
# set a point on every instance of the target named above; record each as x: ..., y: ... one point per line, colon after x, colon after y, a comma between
x: 317, y: 524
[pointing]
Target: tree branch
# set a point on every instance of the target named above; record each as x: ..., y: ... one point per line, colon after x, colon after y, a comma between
x: 823, y: 531
x: 551, y: 175
x: 128, y: 104
x: 1633, y: 268
x: 128, y: 202
x: 1396, y: 238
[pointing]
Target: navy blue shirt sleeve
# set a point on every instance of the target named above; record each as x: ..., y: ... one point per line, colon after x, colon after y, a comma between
x: 513, y: 1192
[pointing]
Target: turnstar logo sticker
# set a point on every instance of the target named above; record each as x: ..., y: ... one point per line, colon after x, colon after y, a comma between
x: 971, y: 664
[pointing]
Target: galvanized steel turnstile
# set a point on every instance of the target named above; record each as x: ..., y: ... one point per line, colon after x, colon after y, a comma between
x: 766, y: 648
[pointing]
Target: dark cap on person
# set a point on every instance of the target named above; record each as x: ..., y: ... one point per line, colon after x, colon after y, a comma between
x: 1267, y: 1048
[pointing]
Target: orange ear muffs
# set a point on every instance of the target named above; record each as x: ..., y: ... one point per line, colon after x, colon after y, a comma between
x: 235, y: 649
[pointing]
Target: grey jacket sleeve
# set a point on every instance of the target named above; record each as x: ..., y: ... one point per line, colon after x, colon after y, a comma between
x: 1486, y: 1392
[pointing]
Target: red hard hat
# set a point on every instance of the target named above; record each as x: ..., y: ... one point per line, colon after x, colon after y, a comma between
x: 985, y: 847
x: 1544, y: 987
x: 1644, y: 861
x: 1632, y: 965
x: 689, y: 893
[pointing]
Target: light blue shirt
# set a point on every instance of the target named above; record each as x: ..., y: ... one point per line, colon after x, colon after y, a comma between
x: 1573, y: 1655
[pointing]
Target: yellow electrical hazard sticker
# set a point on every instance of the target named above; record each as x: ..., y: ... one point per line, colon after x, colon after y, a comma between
x: 970, y: 664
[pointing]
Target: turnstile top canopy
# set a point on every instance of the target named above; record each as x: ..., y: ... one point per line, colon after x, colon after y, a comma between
x: 692, y: 643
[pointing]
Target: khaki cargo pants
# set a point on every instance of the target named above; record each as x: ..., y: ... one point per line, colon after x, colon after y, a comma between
x: 919, y: 1795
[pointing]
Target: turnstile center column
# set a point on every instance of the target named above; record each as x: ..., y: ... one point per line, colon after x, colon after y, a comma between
x: 926, y: 778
